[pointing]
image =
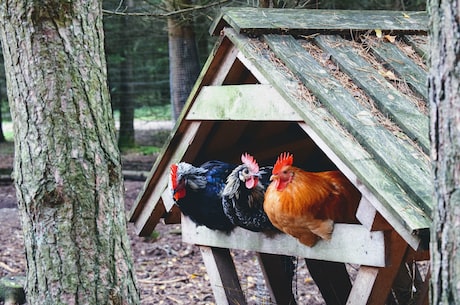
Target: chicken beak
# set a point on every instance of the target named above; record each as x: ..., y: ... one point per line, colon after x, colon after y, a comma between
x: 273, y: 177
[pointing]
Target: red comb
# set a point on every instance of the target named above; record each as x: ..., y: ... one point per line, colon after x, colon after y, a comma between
x: 250, y: 162
x: 174, y: 176
x: 283, y: 160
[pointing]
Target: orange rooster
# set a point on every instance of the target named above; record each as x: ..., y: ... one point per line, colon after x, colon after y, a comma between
x: 307, y: 204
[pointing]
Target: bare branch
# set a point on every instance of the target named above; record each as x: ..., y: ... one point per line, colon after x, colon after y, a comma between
x: 167, y: 14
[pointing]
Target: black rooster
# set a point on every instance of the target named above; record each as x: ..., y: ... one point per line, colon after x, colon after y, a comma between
x: 243, y: 196
x: 197, y: 191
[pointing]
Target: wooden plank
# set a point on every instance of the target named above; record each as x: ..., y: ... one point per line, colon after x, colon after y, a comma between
x: 173, y: 216
x: 369, y: 217
x: 239, y: 103
x: 167, y: 198
x: 225, y: 66
x: 362, y: 286
x: 372, y: 285
x: 248, y: 65
x: 222, y: 274
x: 349, y: 243
x: 394, y: 203
x: 423, y: 290
x: 410, y: 167
x: 307, y: 21
x: 420, y: 45
x: 390, y: 101
x: 278, y: 277
x: 408, y: 70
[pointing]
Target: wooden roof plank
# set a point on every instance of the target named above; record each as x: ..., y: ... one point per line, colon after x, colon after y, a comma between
x: 408, y: 70
x: 406, y: 215
x: 390, y: 101
x: 409, y: 167
x: 304, y: 20
x: 419, y: 43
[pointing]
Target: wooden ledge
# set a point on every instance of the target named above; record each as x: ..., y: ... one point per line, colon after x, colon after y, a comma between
x: 349, y: 244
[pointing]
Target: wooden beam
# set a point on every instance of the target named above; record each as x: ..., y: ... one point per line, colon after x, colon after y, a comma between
x: 312, y: 21
x: 372, y: 285
x: 222, y: 274
x: 349, y: 244
x: 173, y: 216
x: 225, y: 65
x: 239, y: 103
x: 369, y: 217
x: 251, y: 67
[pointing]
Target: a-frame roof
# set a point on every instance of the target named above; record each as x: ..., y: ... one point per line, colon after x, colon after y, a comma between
x: 338, y: 89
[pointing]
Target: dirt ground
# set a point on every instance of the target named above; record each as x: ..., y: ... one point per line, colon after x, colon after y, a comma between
x: 168, y: 270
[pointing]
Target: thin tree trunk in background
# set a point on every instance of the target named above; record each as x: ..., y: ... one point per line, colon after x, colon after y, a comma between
x: 184, y: 66
x: 2, y: 136
x: 67, y: 165
x: 126, y: 135
x: 444, y: 96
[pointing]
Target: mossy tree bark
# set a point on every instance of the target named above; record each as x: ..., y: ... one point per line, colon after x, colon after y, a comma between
x: 444, y: 95
x: 67, y: 166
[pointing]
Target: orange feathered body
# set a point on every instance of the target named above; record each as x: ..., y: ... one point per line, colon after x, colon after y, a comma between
x: 307, y: 204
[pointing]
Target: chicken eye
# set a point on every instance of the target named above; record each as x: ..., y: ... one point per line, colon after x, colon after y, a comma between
x: 245, y: 171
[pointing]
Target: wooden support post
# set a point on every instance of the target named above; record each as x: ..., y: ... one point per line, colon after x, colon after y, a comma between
x: 423, y: 290
x: 372, y: 285
x: 222, y: 275
x: 278, y: 272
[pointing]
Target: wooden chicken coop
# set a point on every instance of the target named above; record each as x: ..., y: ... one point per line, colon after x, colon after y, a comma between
x: 340, y: 90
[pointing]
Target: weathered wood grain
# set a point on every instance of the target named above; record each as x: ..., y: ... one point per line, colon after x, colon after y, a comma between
x: 372, y: 285
x: 241, y: 102
x: 390, y: 101
x: 407, y: 165
x: 306, y: 21
x: 420, y: 43
x: 349, y: 244
x: 405, y: 68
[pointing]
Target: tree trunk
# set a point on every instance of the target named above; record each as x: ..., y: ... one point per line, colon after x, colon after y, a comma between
x: 2, y: 135
x: 126, y: 135
x: 184, y: 66
x: 67, y: 166
x: 444, y: 96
